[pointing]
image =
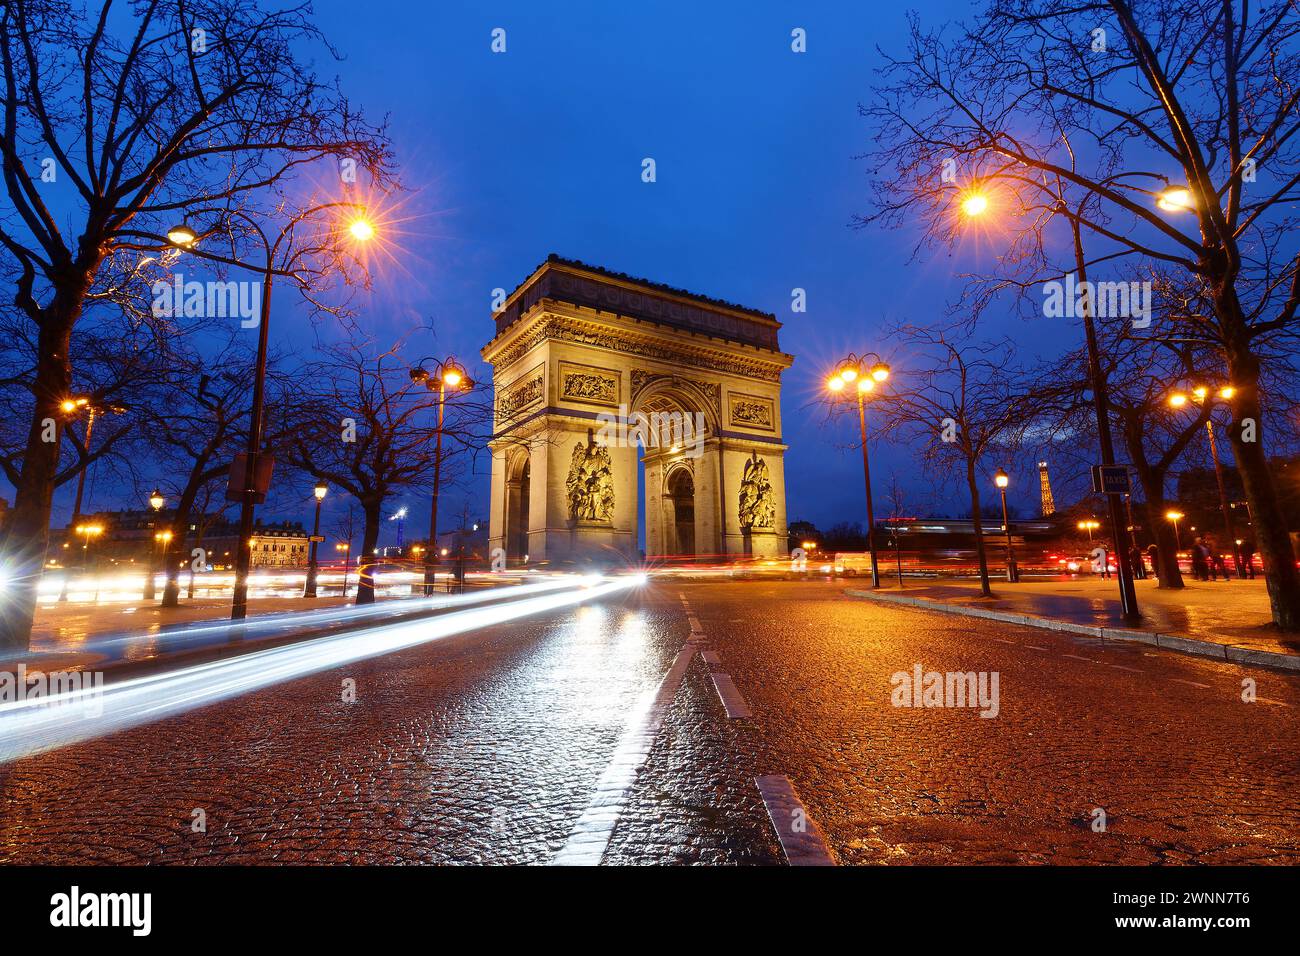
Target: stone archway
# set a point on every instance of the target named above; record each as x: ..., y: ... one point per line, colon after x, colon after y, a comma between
x: 681, y: 498
x: 517, y: 503
x: 583, y: 357
x: 679, y: 512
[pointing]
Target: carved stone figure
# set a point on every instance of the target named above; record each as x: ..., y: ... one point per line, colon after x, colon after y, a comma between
x: 591, y: 482
x: 757, y: 502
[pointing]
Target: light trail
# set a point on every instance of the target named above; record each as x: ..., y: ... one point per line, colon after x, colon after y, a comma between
x: 263, y: 625
x: 36, y: 725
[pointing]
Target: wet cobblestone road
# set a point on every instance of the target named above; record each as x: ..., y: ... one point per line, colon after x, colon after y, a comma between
x: 491, y: 747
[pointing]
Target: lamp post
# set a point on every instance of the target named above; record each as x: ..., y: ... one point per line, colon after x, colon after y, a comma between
x: 93, y: 409
x: 974, y: 204
x: 445, y: 374
x: 162, y: 542
x: 346, y: 549
x: 87, y: 531
x: 319, y: 491
x: 184, y: 238
x: 1001, y: 479
x: 1175, y: 517
x: 855, y: 373
x: 156, y: 502
x: 1202, y: 396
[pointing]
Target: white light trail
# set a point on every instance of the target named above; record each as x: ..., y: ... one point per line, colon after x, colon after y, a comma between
x: 263, y: 625
x: 32, y: 726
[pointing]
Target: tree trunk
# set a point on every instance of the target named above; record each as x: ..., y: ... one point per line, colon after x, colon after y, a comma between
x: 978, y: 525
x: 1168, y: 573
x: 365, y: 566
x: 1153, y: 491
x: 180, y: 529
x: 1268, y: 524
x: 27, y: 529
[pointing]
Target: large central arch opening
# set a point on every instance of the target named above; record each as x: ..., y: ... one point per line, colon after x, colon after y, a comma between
x: 679, y: 497
x: 677, y: 474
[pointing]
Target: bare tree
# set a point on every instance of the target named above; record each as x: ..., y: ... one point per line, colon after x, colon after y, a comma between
x: 1047, y: 110
x: 958, y: 399
x: 897, y: 498
x: 200, y: 418
x: 172, y: 107
x: 366, y: 427
x: 1141, y: 376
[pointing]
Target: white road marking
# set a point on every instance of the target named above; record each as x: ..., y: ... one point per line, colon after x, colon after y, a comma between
x: 802, y: 840
x: 1190, y: 683
x: 1135, y: 670
x: 711, y: 657
x: 1078, y: 658
x: 590, y: 835
x: 730, y: 697
x: 1275, y: 703
x: 1003, y: 640
x: 1035, y: 647
x: 694, y: 622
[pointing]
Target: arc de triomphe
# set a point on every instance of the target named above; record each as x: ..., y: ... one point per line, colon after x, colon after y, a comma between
x: 579, y: 355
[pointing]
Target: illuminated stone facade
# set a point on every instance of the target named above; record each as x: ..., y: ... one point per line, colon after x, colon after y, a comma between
x: 578, y: 350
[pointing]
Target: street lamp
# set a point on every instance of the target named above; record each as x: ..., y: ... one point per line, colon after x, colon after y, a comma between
x: 87, y: 531
x: 1175, y: 517
x: 156, y: 502
x: 1090, y: 525
x: 1176, y: 199
x: 319, y: 491
x: 853, y: 369
x: 182, y: 236
x: 1201, y: 394
x: 1119, y: 530
x: 1001, y: 479
x: 71, y: 406
x: 445, y: 374
x: 346, y: 550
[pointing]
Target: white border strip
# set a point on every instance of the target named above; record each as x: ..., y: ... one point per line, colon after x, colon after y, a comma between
x: 590, y: 835
x: 802, y: 840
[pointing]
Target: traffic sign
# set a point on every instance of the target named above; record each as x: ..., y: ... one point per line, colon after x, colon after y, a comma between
x: 1110, y: 479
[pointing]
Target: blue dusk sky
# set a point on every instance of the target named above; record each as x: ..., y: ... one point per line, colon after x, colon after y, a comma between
x: 511, y: 156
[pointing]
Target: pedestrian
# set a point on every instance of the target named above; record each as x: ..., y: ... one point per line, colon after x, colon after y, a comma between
x: 1135, y: 559
x: 1248, y: 556
x: 1200, y: 560
x: 1153, y: 555
x: 1218, y: 565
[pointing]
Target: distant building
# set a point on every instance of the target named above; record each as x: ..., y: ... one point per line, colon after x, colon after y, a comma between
x: 282, y: 545
x: 129, y: 538
x: 474, y: 539
x: 959, y: 533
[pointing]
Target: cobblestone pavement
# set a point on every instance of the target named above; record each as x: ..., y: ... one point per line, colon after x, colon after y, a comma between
x: 576, y: 728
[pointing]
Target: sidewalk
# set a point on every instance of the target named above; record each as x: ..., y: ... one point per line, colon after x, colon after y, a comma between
x: 1228, y: 619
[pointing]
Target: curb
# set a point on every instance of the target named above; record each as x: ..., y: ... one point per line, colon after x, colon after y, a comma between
x: 1172, y: 642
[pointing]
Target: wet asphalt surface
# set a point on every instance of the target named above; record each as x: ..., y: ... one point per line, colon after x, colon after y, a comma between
x: 487, y: 748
